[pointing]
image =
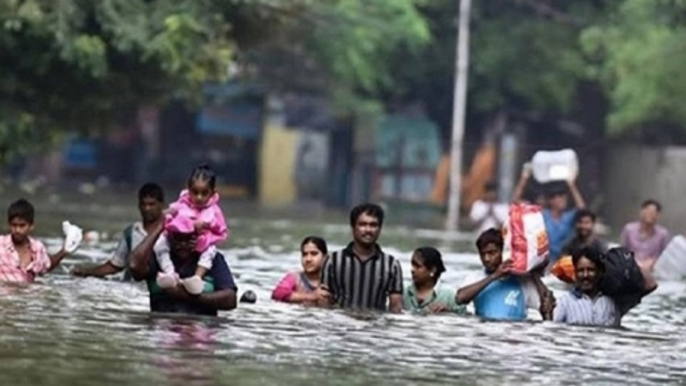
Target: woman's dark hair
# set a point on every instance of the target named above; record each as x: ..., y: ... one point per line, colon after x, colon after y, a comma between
x: 490, y: 236
x: 317, y: 241
x: 432, y: 260
x: 590, y: 253
x: 203, y: 172
x: 368, y: 209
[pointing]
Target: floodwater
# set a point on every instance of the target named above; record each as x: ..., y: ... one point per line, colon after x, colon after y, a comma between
x: 67, y: 331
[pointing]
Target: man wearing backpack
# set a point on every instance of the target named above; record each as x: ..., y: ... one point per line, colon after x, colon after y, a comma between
x: 151, y: 208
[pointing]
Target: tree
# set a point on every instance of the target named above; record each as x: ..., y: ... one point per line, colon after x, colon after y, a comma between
x: 638, y: 53
x: 71, y: 64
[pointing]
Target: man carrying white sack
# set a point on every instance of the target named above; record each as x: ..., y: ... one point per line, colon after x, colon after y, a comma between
x: 23, y: 258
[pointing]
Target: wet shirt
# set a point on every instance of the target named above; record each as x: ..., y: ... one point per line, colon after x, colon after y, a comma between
x: 10, y: 264
x: 218, y: 278
x: 578, y: 308
x: 441, y: 296
x: 644, y: 246
x: 559, y: 231
x: 135, y: 233
x: 354, y: 283
x: 291, y: 283
x: 504, y: 299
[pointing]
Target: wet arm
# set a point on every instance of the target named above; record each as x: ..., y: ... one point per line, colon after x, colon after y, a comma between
x: 139, y: 259
x: 219, y: 300
x: 285, y: 290
x: 395, y: 298
x: 519, y: 189
x: 649, y: 282
x: 57, y: 258
x: 466, y: 294
x: 579, y: 201
x: 100, y: 271
x: 395, y: 303
x: 544, y: 295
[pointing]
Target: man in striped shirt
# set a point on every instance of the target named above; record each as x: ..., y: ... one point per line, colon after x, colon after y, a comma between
x: 362, y: 275
x: 585, y: 304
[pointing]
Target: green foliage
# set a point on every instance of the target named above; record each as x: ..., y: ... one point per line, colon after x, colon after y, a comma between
x: 639, y: 53
x: 71, y: 64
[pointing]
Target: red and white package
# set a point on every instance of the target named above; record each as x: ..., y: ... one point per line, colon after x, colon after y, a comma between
x: 526, y: 240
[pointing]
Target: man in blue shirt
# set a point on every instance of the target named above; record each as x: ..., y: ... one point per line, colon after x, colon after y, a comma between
x: 497, y: 294
x: 559, y: 219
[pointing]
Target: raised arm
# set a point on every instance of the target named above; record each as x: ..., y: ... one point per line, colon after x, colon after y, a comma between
x: 102, y: 270
x: 57, y: 258
x: 139, y: 259
x: 576, y: 194
x: 521, y: 186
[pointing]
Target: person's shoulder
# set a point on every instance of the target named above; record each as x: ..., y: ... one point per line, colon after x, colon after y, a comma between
x: 631, y: 226
x: 473, y: 278
x: 662, y: 230
x: 219, y: 265
x: 443, y: 293
x: 36, y: 244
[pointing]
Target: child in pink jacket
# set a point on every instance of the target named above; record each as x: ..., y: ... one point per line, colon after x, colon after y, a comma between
x: 196, y: 211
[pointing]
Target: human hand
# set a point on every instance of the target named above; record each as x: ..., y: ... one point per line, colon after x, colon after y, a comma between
x: 177, y: 292
x: 322, y: 295
x: 170, y: 211
x: 503, y: 269
x: 80, y: 271
x: 526, y: 172
x: 437, y: 308
x: 548, y: 304
x: 200, y: 226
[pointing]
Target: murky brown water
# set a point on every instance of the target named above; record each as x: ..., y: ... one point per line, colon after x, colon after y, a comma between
x: 66, y: 331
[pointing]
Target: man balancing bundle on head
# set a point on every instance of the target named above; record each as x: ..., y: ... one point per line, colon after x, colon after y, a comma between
x: 23, y: 258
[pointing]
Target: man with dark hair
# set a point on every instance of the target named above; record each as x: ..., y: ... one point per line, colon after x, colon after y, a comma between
x: 23, y: 258
x: 645, y: 237
x: 586, y: 304
x: 497, y: 294
x: 219, y: 292
x: 487, y: 212
x: 362, y: 275
x: 150, y: 207
x: 584, y: 225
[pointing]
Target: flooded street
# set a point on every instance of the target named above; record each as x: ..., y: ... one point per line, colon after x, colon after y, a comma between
x: 68, y: 331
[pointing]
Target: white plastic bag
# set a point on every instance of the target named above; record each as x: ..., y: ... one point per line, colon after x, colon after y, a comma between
x: 73, y: 236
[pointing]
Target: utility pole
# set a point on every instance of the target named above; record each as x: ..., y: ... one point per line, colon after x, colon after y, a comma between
x: 459, y: 112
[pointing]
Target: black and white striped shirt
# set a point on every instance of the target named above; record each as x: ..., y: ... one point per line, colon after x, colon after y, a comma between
x: 354, y: 283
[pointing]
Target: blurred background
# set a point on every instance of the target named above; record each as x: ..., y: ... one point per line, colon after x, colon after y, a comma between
x: 324, y: 104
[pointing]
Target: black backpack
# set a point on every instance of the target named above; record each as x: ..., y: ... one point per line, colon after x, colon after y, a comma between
x: 622, y: 275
